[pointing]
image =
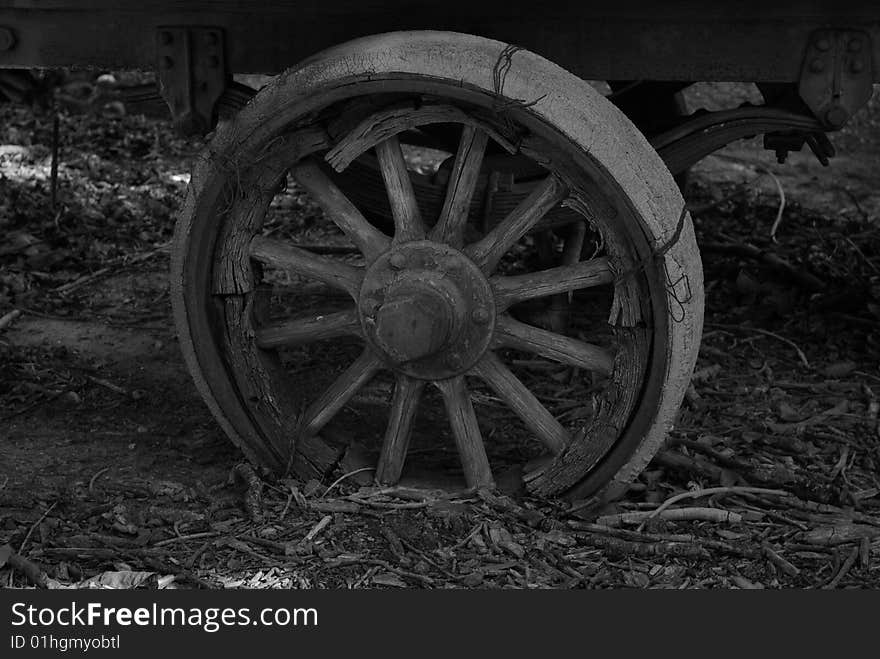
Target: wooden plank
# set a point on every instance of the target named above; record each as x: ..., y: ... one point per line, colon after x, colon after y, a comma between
x: 627, y: 40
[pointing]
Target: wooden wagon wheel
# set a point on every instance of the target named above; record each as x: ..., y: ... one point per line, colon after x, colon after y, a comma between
x: 428, y: 302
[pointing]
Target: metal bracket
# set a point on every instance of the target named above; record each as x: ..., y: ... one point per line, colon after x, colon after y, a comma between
x: 836, y: 76
x: 192, y: 74
x: 7, y: 38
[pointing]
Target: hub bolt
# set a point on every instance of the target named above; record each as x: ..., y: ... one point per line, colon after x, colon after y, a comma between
x: 480, y: 315
x: 397, y: 261
x: 836, y: 116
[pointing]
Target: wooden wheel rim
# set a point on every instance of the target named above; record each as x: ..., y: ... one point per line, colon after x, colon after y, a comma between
x: 397, y: 59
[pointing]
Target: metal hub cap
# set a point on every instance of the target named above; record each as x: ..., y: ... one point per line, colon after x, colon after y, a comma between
x: 427, y: 310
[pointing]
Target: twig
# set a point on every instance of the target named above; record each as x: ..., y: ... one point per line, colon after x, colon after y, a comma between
x: 185, y: 538
x: 85, y: 279
x: 286, y: 506
x: 781, y: 208
x: 7, y: 319
x: 870, y: 263
x: 395, y: 506
x: 709, y: 491
x: 461, y: 543
x: 344, y: 476
x: 779, y: 561
x: 33, y: 526
x: 96, y: 477
x: 115, y: 388
x: 758, y: 330
x: 191, y: 561
x: 645, y: 549
x: 674, y: 514
x: 53, y: 174
x: 317, y: 528
x: 635, y: 536
x: 847, y: 564
x: 354, y: 560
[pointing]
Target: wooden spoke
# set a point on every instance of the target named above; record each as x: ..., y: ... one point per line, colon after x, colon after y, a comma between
x: 299, y: 261
x: 586, y: 274
x: 488, y: 251
x: 299, y: 331
x: 511, y: 333
x: 368, y: 239
x: 319, y: 413
x: 523, y: 402
x: 407, y: 217
x: 404, y: 405
x: 468, y: 440
x: 559, y: 310
x: 460, y: 190
x: 395, y: 120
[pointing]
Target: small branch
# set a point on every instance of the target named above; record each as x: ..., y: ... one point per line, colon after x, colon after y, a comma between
x: 53, y: 175
x: 96, y: 477
x: 7, y: 319
x: 673, y: 514
x: 779, y: 562
x: 758, y: 330
x: 344, y: 476
x: 709, y: 491
x: 844, y: 569
x: 33, y: 526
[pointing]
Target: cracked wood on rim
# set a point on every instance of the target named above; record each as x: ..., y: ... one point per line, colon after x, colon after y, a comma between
x: 404, y: 208
x: 299, y: 261
x: 517, y: 288
x: 404, y: 405
x: 466, y: 431
x: 523, y: 402
x: 488, y: 251
x: 368, y: 239
x: 514, y: 334
x: 339, y: 393
x: 461, y: 186
x: 299, y: 331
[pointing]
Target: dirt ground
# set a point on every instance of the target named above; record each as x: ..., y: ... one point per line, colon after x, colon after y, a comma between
x: 112, y: 471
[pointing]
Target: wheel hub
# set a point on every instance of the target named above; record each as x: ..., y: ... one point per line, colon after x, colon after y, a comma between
x: 427, y: 310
